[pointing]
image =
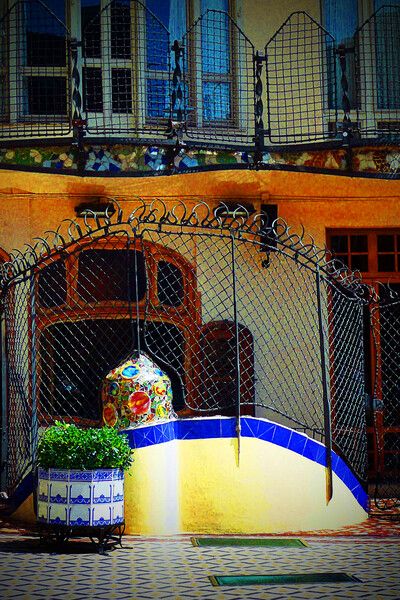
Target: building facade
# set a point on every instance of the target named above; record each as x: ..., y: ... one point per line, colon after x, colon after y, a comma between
x: 279, y: 115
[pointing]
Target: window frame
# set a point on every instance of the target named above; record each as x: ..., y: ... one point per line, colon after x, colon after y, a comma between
x: 75, y: 309
x: 16, y: 114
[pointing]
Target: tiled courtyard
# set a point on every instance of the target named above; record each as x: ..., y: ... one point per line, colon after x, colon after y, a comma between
x: 172, y: 568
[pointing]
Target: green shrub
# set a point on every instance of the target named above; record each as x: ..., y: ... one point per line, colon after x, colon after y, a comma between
x: 64, y: 446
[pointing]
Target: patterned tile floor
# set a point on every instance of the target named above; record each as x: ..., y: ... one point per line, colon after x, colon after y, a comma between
x: 172, y: 568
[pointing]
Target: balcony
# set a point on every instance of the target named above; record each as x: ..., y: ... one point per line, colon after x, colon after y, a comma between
x: 127, y: 82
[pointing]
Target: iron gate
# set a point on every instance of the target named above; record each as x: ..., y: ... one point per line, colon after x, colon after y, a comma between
x: 245, y: 316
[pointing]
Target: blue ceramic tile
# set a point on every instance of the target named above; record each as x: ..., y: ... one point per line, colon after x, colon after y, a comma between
x: 281, y: 436
x: 199, y: 429
x: 43, y: 473
x: 227, y: 428
x: 249, y: 427
x: 103, y: 475
x: 335, y: 460
x: 297, y: 443
x: 118, y: 474
x: 311, y: 450
x: 58, y: 475
x: 340, y: 468
x: 320, y: 456
x: 81, y: 494
x: 80, y: 476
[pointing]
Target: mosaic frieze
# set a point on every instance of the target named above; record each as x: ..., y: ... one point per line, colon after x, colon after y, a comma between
x: 125, y: 158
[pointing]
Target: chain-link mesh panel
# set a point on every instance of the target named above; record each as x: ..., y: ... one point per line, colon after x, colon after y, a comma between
x: 278, y: 304
x: 344, y: 326
x: 126, y: 71
x: 21, y: 435
x: 300, y: 78
x: 35, y: 71
x: 218, y: 80
x: 385, y: 319
x: 377, y: 48
x: 237, y: 333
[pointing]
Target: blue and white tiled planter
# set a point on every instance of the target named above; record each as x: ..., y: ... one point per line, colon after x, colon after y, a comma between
x: 78, y: 498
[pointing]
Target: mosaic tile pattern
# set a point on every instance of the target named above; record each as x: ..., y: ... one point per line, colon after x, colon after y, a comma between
x: 205, y: 428
x: 122, y: 158
x: 171, y: 568
x: 136, y: 392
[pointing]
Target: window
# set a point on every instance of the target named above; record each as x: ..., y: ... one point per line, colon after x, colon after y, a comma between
x: 218, y: 373
x: 370, y: 31
x: 38, y: 81
x: 377, y: 254
x: 87, y: 321
x: 125, y: 63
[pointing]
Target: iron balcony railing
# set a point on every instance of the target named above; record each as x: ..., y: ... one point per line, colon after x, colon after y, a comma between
x: 127, y: 77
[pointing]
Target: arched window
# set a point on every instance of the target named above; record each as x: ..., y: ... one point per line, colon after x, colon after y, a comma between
x: 87, y: 320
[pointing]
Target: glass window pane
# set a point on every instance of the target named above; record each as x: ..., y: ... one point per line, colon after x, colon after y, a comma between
x: 341, y: 258
x: 340, y: 18
x: 167, y: 16
x: 158, y: 98
x: 45, y: 96
x: 52, y: 284
x: 91, y: 29
x: 359, y: 243
x: 387, y: 44
x: 339, y: 243
x: 385, y: 243
x: 359, y: 262
x: 121, y: 91
x: 46, y: 44
x: 216, y: 101
x: 121, y: 29
x: 169, y: 284
x: 386, y: 262
x: 110, y: 275
x: 93, y: 89
x: 215, y: 46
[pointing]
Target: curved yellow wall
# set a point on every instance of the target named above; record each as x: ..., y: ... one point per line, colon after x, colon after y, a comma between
x: 271, y: 490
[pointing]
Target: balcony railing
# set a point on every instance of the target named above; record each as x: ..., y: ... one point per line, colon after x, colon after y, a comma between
x: 128, y: 78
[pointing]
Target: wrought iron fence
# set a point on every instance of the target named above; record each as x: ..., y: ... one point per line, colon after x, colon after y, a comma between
x: 244, y: 315
x: 377, y: 53
x: 301, y: 82
x: 35, y: 91
x: 126, y: 71
x: 385, y: 320
x: 129, y: 77
x: 218, y: 80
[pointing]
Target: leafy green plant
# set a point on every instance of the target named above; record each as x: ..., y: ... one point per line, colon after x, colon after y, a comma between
x: 65, y: 446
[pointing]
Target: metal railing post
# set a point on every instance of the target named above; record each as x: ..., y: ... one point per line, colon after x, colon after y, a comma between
x: 346, y: 107
x: 325, y: 393
x: 237, y: 343
x: 258, y: 108
x: 78, y: 123
x: 4, y: 413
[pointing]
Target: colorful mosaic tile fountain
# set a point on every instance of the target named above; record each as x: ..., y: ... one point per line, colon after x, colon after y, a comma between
x: 136, y: 392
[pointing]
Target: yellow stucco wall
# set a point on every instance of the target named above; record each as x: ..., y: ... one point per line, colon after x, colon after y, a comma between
x: 32, y: 202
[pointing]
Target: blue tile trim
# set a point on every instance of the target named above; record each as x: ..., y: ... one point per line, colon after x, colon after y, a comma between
x: 225, y: 427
